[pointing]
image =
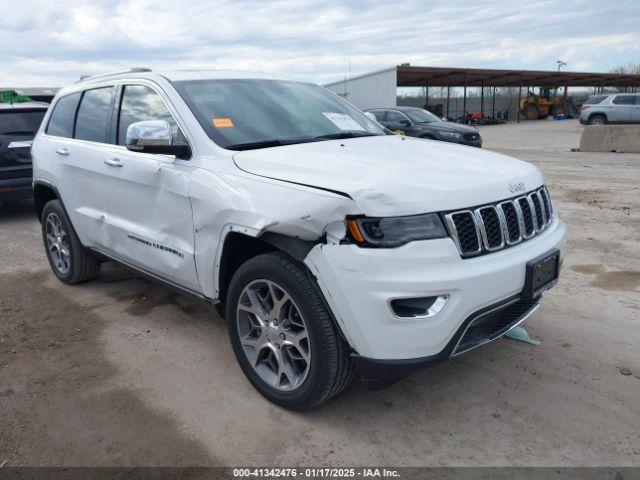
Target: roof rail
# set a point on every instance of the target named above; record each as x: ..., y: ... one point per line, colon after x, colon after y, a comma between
x: 119, y: 72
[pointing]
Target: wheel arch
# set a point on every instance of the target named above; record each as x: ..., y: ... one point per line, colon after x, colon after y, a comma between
x: 239, y: 247
x: 44, y: 192
x: 598, y: 114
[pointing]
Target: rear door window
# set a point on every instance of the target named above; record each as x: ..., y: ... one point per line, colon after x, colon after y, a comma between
x: 623, y: 100
x: 94, y: 115
x: 61, y: 120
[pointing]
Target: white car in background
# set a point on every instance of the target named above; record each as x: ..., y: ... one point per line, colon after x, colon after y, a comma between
x: 329, y: 246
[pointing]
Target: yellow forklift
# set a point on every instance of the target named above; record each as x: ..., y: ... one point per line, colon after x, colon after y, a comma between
x: 535, y: 107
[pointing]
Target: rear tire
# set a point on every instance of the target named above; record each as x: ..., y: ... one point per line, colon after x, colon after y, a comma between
x: 598, y: 120
x: 287, y: 305
x: 69, y: 260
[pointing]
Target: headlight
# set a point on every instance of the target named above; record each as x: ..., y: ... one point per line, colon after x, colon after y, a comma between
x: 394, y: 231
x: 446, y: 134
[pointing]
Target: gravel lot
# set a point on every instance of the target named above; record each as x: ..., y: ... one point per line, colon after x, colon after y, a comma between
x: 122, y: 371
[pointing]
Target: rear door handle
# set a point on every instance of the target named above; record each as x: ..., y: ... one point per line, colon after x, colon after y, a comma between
x: 62, y: 151
x: 113, y: 162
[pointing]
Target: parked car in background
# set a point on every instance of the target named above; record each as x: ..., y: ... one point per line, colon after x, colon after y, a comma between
x: 417, y: 122
x: 19, y: 122
x: 611, y: 108
x: 330, y: 246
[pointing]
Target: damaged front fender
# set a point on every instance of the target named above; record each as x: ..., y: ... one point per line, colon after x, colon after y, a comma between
x: 276, y: 212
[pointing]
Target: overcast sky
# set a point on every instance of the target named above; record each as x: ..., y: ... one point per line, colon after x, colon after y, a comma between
x: 52, y: 43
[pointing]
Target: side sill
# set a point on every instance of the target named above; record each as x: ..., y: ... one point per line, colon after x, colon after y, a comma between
x: 153, y: 276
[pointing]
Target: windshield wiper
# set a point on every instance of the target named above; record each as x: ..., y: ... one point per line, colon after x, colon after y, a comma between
x: 340, y: 135
x: 280, y: 142
x: 262, y: 144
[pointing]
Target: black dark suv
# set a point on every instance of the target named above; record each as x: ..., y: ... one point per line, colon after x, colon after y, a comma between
x: 417, y: 122
x: 19, y: 123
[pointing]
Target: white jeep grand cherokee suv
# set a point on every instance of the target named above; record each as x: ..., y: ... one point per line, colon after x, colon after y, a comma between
x: 329, y: 246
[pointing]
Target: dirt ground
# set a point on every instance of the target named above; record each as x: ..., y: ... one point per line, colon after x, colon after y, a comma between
x: 122, y: 371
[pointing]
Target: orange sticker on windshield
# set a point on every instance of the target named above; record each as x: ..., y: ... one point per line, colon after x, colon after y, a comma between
x: 222, y: 123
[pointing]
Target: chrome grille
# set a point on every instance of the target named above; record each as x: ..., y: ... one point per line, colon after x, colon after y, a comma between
x: 493, y: 227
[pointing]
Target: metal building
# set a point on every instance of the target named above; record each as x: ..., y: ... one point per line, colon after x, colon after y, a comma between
x: 375, y: 89
x: 378, y: 89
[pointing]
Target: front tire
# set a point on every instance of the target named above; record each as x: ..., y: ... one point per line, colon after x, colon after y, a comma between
x: 283, y: 335
x: 69, y: 260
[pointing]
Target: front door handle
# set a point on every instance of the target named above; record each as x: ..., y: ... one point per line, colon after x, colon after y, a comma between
x: 113, y: 162
x: 62, y: 151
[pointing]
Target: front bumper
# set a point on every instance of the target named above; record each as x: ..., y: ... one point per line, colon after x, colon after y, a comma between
x: 472, y: 143
x: 482, y: 327
x: 358, y: 284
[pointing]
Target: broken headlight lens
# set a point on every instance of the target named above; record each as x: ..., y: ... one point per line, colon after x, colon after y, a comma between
x: 394, y: 231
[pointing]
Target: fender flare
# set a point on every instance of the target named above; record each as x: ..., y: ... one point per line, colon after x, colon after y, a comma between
x: 54, y: 189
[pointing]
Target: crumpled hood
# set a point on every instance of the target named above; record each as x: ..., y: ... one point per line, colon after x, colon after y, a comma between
x: 394, y: 175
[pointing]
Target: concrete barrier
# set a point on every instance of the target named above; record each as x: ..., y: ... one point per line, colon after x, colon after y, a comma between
x: 611, y: 138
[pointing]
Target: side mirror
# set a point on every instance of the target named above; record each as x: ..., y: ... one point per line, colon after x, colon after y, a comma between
x: 154, y: 136
x: 405, y: 122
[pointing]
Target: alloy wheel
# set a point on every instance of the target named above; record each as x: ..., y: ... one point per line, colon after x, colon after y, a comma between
x: 58, y: 243
x: 273, y: 335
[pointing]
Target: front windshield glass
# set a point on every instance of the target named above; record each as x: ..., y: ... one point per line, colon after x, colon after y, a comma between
x: 422, y: 116
x: 241, y: 114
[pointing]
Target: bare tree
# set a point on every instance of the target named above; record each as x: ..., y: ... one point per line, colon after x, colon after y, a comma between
x: 630, y: 68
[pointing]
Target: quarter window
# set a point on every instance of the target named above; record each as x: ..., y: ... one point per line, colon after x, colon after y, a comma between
x: 61, y: 120
x: 623, y: 100
x: 140, y: 103
x: 94, y: 115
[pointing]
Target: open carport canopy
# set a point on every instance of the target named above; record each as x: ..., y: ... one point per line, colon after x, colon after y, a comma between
x: 409, y: 76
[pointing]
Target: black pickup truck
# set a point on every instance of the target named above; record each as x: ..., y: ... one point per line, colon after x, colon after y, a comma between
x: 19, y: 123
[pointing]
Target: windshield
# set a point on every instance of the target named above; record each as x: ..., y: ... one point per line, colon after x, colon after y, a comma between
x: 421, y: 116
x: 23, y: 122
x: 241, y: 114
